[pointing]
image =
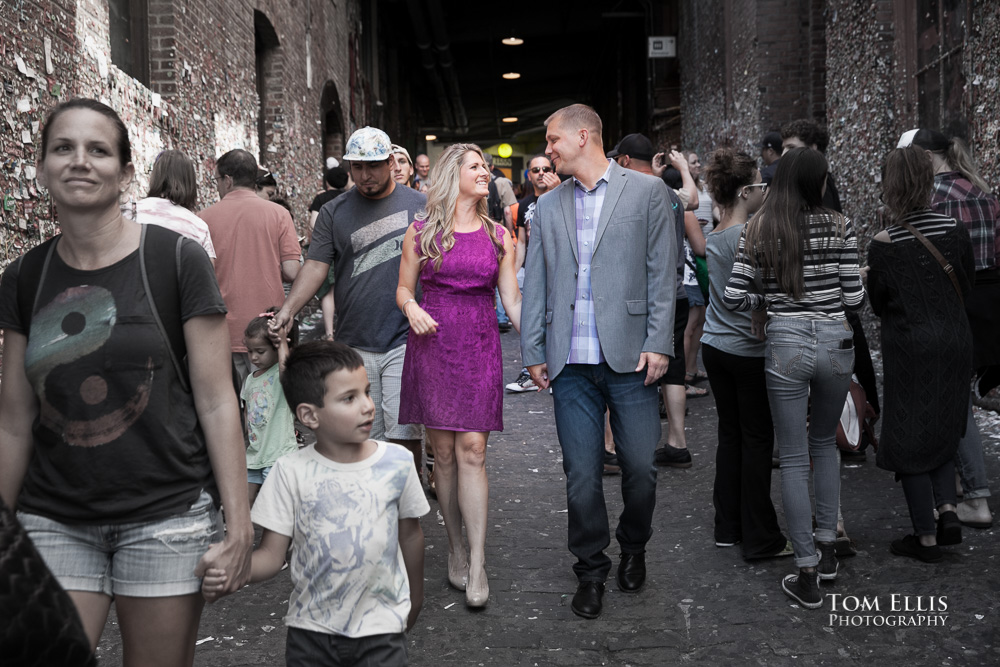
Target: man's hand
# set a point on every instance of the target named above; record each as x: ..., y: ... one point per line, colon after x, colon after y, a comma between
x: 551, y: 180
x: 278, y: 327
x: 539, y: 375
x: 659, y: 164
x: 654, y: 363
x: 679, y: 162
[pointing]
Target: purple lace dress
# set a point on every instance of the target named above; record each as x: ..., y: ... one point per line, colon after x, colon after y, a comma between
x: 453, y: 379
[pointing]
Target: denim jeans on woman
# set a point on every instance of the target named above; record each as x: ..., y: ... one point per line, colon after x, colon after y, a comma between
x: 809, y: 365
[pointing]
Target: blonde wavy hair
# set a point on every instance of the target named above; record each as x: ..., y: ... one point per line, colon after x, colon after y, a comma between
x: 438, y: 234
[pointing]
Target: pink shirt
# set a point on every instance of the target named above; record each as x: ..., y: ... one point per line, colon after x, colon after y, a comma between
x: 165, y: 213
x: 252, y: 237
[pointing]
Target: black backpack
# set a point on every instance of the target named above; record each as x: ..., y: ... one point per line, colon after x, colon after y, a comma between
x: 165, y: 302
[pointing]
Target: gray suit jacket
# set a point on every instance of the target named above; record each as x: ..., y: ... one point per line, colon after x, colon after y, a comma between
x: 633, y: 274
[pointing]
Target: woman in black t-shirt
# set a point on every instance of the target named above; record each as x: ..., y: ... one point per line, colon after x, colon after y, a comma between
x: 110, y: 456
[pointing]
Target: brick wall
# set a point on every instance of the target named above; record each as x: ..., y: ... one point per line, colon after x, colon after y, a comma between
x: 749, y: 66
x: 202, y: 97
x: 981, y: 62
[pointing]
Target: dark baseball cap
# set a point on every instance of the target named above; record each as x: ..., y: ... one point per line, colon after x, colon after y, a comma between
x: 772, y: 140
x: 636, y: 146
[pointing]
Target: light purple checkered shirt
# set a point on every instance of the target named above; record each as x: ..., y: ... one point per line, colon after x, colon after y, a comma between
x: 584, y: 347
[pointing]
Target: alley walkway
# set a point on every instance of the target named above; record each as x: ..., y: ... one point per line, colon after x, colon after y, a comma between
x: 701, y: 605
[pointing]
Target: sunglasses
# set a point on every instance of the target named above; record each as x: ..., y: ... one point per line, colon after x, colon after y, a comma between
x: 762, y: 186
x: 544, y: 170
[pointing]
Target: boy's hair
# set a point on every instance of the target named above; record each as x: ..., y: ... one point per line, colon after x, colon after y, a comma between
x: 307, y: 367
x: 809, y: 132
x: 259, y: 328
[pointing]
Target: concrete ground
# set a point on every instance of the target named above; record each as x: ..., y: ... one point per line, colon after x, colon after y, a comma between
x: 701, y: 605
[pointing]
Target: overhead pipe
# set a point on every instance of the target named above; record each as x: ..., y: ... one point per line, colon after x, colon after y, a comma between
x: 427, y: 60
x: 443, y: 48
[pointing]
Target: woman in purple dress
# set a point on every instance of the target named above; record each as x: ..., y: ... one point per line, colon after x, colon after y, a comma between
x: 452, y: 374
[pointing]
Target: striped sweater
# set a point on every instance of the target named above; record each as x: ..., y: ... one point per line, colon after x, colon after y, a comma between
x: 832, y: 280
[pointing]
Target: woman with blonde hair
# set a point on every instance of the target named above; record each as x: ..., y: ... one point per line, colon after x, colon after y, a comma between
x: 452, y: 375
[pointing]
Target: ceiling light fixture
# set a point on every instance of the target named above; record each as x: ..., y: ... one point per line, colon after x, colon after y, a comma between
x: 509, y: 119
x: 511, y: 76
x: 430, y: 137
x: 512, y: 41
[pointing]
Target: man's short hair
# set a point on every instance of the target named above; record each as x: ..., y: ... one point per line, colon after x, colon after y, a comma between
x: 239, y: 165
x: 540, y: 155
x: 577, y: 117
x: 304, y: 379
x: 809, y: 132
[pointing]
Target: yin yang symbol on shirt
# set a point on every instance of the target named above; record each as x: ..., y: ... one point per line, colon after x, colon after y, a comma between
x: 82, y: 396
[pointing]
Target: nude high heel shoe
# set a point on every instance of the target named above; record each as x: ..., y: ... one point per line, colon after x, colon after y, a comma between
x: 458, y: 574
x: 477, y: 595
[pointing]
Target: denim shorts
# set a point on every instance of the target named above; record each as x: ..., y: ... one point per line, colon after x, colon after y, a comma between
x: 695, y: 296
x: 258, y: 475
x: 146, y: 560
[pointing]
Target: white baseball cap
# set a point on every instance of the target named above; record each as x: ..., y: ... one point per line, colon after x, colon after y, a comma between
x: 369, y: 144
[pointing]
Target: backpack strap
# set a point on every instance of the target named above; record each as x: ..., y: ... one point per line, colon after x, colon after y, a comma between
x: 166, y: 300
x: 32, y: 269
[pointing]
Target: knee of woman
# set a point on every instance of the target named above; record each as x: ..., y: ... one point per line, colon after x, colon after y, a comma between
x: 472, y: 452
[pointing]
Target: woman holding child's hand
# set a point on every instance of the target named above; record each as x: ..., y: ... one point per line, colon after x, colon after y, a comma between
x: 115, y: 454
x: 452, y: 376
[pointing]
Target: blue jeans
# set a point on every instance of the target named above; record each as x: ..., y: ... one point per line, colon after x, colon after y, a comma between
x: 970, y: 463
x: 809, y: 365
x: 581, y: 394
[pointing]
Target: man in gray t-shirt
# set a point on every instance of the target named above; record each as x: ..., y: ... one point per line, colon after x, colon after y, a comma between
x: 361, y: 234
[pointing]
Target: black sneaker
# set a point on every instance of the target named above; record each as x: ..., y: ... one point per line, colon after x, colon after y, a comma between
x: 828, y: 565
x: 911, y: 547
x: 949, y: 529
x: 522, y: 383
x: 673, y: 457
x: 804, y: 589
x: 857, y: 456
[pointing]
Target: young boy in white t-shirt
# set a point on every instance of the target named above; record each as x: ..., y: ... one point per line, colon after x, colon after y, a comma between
x: 349, y: 507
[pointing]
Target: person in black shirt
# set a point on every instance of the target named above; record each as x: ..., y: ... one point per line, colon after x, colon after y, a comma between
x: 542, y: 178
x: 336, y: 184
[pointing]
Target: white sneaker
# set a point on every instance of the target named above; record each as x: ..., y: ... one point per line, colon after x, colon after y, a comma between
x: 522, y: 383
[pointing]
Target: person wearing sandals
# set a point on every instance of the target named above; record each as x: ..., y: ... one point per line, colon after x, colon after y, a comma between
x: 803, y: 259
x: 926, y: 348
x: 734, y: 357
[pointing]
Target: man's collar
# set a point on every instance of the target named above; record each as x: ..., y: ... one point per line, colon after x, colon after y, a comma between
x: 606, y: 177
x: 237, y: 191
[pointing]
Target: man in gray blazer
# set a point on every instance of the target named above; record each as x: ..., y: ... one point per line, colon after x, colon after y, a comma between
x: 597, y: 323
